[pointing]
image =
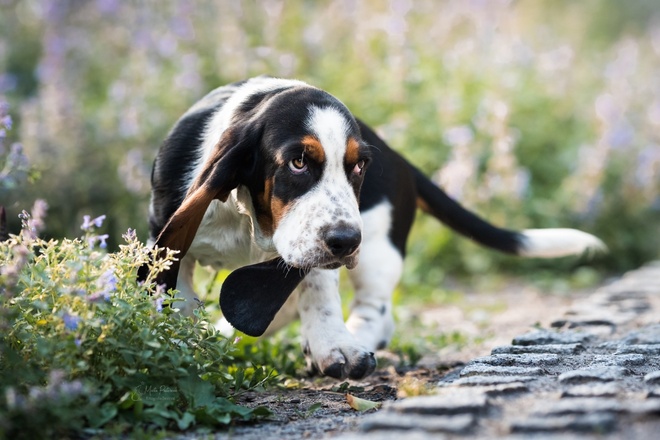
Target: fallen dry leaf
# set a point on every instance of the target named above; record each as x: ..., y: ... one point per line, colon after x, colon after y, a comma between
x: 361, y: 404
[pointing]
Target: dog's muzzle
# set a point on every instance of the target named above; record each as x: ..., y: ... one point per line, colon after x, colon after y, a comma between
x: 343, y: 244
x: 343, y: 241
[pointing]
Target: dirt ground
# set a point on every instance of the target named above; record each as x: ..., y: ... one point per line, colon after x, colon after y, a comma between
x: 318, y: 408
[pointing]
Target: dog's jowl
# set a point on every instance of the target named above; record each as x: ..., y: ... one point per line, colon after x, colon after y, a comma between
x: 278, y: 181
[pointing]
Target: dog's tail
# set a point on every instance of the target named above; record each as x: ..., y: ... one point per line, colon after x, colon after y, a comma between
x: 540, y: 243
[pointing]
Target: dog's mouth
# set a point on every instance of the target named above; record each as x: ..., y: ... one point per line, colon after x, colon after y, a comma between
x: 350, y: 261
x: 325, y: 261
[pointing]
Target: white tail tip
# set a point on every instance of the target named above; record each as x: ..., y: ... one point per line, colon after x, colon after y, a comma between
x: 560, y: 242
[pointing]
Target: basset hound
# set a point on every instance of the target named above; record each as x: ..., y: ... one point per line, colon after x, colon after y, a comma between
x: 278, y: 181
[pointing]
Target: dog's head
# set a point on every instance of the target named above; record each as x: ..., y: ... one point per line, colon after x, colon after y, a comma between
x: 296, y: 158
x: 305, y: 169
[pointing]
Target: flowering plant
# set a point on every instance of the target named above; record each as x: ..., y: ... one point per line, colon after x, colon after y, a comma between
x: 83, y: 346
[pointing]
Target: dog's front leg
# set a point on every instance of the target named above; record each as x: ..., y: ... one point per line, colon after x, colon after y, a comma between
x: 375, y: 278
x: 327, y: 343
x: 184, y: 285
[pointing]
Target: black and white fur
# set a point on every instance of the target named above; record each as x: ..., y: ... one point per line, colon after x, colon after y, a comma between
x: 269, y: 176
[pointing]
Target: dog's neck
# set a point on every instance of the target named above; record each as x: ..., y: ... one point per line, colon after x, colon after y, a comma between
x: 241, y: 200
x: 241, y: 241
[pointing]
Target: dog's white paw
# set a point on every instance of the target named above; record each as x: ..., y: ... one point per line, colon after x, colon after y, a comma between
x: 339, y: 361
x: 374, y: 329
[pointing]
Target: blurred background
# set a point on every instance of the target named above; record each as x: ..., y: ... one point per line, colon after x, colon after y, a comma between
x: 533, y: 114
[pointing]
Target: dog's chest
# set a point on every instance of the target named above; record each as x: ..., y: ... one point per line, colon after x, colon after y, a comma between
x: 224, y: 239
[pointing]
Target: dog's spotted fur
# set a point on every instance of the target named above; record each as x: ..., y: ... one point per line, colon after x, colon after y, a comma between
x: 269, y: 175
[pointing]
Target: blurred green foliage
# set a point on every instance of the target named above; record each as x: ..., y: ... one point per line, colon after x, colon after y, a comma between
x: 534, y: 114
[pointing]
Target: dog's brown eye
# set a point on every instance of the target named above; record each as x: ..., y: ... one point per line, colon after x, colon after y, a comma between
x: 359, y: 167
x: 298, y: 165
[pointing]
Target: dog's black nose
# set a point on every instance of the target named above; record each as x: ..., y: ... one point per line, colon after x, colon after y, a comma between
x: 343, y: 241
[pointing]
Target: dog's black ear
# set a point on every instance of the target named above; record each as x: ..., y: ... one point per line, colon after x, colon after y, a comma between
x: 252, y: 295
x: 225, y: 169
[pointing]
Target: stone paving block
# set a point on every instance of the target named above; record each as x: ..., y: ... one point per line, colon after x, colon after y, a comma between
x: 652, y: 378
x: 490, y: 370
x: 602, y: 393
x: 607, y: 389
x: 450, y: 404
x: 506, y: 389
x: 644, y: 407
x: 647, y: 349
x: 558, y: 349
x: 654, y: 393
x: 595, y: 423
x: 597, y: 330
x: 394, y: 434
x: 578, y: 406
x: 609, y: 346
x: 628, y: 360
x: 622, y: 360
x: 386, y: 421
x: 624, y: 294
x: 489, y: 380
x: 633, y: 305
x: 499, y: 390
x: 545, y: 337
x: 593, y: 374
x: 647, y: 335
x: 583, y: 321
x: 517, y: 359
x: 588, y: 311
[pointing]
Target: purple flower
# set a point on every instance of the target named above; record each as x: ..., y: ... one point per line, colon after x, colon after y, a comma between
x: 108, y: 280
x: 94, y: 238
x: 103, y: 238
x: 86, y: 223
x: 159, y: 304
x: 6, y: 121
x: 89, y: 223
x: 98, y: 296
x: 70, y: 321
x: 107, y: 283
x: 39, y: 210
x: 33, y: 224
x: 130, y: 235
x: 17, y: 159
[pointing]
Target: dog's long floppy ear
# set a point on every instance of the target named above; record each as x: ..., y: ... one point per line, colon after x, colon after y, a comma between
x: 228, y: 164
x: 252, y: 295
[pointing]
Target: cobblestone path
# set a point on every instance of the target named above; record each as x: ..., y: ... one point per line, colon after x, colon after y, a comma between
x: 596, y: 374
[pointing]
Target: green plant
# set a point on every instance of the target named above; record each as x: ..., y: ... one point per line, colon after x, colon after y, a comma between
x: 282, y: 352
x: 84, y: 346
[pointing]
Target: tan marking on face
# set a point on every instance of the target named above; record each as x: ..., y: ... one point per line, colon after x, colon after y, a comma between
x: 278, y: 209
x: 279, y: 158
x: 352, y: 151
x: 313, y: 149
x: 265, y: 216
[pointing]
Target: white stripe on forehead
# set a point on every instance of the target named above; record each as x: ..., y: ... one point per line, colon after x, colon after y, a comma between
x: 331, y: 129
x: 222, y: 118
